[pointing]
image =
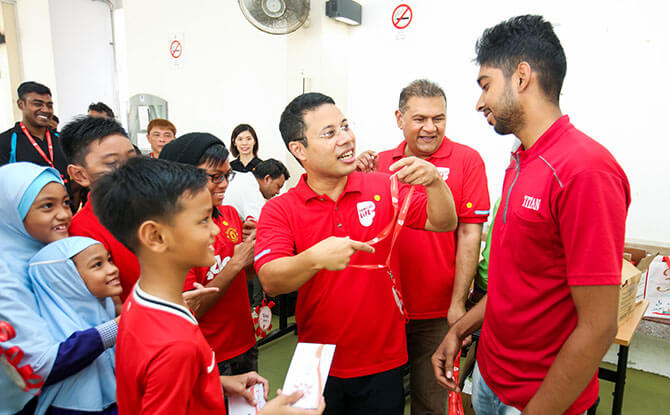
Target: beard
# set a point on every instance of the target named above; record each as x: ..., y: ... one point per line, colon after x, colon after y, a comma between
x: 509, y: 115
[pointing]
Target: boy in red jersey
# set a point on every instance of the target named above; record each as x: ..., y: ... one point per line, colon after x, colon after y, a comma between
x: 164, y: 363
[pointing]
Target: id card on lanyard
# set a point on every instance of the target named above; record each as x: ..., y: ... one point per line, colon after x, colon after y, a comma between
x: 392, y: 228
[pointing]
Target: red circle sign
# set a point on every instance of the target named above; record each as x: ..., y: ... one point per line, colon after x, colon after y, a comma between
x: 175, y: 49
x: 402, y: 16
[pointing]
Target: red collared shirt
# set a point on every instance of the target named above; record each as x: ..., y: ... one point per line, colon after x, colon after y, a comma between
x: 353, y: 308
x: 560, y: 223
x: 163, y: 363
x: 227, y: 326
x: 425, y: 261
x: 85, y: 223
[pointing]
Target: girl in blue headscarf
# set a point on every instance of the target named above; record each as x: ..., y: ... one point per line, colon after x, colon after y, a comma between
x: 73, y: 280
x: 34, y: 212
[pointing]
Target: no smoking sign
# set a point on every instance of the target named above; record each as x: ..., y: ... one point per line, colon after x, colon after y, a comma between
x: 402, y: 16
x: 176, y: 49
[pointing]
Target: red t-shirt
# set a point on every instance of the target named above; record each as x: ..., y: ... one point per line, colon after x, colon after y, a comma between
x: 425, y: 261
x: 85, y: 223
x: 227, y: 326
x: 163, y: 363
x: 353, y: 308
x: 561, y: 223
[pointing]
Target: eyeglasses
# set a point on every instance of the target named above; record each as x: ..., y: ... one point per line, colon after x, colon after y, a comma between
x: 218, y: 178
x: 332, y: 132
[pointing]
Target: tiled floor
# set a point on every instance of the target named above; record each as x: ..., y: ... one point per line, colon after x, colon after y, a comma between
x: 645, y: 394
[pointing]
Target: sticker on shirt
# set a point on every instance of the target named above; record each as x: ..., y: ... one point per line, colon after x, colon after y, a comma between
x: 532, y: 203
x: 366, y: 212
x: 444, y: 172
x: 217, y: 267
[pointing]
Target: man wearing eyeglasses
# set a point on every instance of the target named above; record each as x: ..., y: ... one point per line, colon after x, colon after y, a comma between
x: 327, y: 238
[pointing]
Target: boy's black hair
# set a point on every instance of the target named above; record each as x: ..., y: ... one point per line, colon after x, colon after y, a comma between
x: 271, y: 167
x: 527, y: 38
x: 30, y: 86
x: 77, y: 136
x: 292, y: 124
x: 101, y: 107
x: 143, y: 189
x: 239, y: 130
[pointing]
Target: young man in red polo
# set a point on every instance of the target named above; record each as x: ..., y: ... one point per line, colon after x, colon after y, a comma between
x: 313, y: 239
x: 557, y: 243
x: 436, y: 269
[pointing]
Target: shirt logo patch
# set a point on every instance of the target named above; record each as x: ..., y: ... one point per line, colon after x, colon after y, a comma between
x: 366, y: 212
x: 232, y: 235
x: 531, y: 203
x: 444, y: 172
x: 218, y: 266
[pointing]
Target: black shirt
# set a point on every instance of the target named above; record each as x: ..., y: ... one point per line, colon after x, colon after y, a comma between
x: 238, y: 166
x: 26, y: 152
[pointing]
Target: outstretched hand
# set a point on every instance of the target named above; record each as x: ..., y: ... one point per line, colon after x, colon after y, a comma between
x: 366, y: 161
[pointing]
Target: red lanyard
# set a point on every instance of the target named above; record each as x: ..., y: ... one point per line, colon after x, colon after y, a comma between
x: 38, y: 148
x: 394, y: 225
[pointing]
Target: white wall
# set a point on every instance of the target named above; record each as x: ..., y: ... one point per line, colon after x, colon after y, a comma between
x: 83, y: 56
x: 231, y: 72
x: 611, y: 92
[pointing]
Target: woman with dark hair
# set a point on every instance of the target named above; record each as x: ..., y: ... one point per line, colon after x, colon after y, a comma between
x: 244, y: 146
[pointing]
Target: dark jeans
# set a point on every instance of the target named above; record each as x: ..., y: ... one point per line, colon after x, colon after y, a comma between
x: 378, y: 394
x: 246, y: 362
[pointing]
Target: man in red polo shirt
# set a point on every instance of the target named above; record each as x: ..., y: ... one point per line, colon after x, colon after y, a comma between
x: 312, y: 239
x: 557, y: 244
x: 436, y: 269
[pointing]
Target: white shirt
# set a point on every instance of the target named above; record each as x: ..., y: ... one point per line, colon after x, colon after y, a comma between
x: 245, y: 196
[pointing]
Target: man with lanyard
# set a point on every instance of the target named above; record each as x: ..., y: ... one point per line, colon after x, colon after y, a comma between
x: 550, y: 312
x: 435, y: 269
x: 330, y: 238
x: 31, y: 139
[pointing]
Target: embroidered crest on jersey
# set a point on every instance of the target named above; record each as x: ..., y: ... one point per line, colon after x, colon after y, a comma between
x: 366, y: 212
x: 232, y: 235
x: 531, y: 203
x: 444, y: 172
x: 217, y: 267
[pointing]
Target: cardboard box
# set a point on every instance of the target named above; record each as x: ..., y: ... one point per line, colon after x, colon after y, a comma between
x: 630, y: 279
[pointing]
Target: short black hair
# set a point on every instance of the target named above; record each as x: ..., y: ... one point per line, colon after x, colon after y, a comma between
x: 527, y: 38
x: 143, y: 189
x: 77, y: 136
x: 420, y: 88
x: 30, y: 86
x: 239, y: 130
x: 271, y: 167
x: 101, y: 107
x: 215, y: 155
x: 55, y: 118
x: 292, y: 124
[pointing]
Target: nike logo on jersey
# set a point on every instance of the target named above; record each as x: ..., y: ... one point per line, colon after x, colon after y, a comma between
x: 531, y: 203
x: 211, y: 367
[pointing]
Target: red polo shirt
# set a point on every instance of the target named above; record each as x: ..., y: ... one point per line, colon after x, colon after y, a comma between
x: 561, y: 223
x: 227, y: 326
x: 353, y: 308
x: 85, y: 223
x: 425, y: 261
x: 163, y: 363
